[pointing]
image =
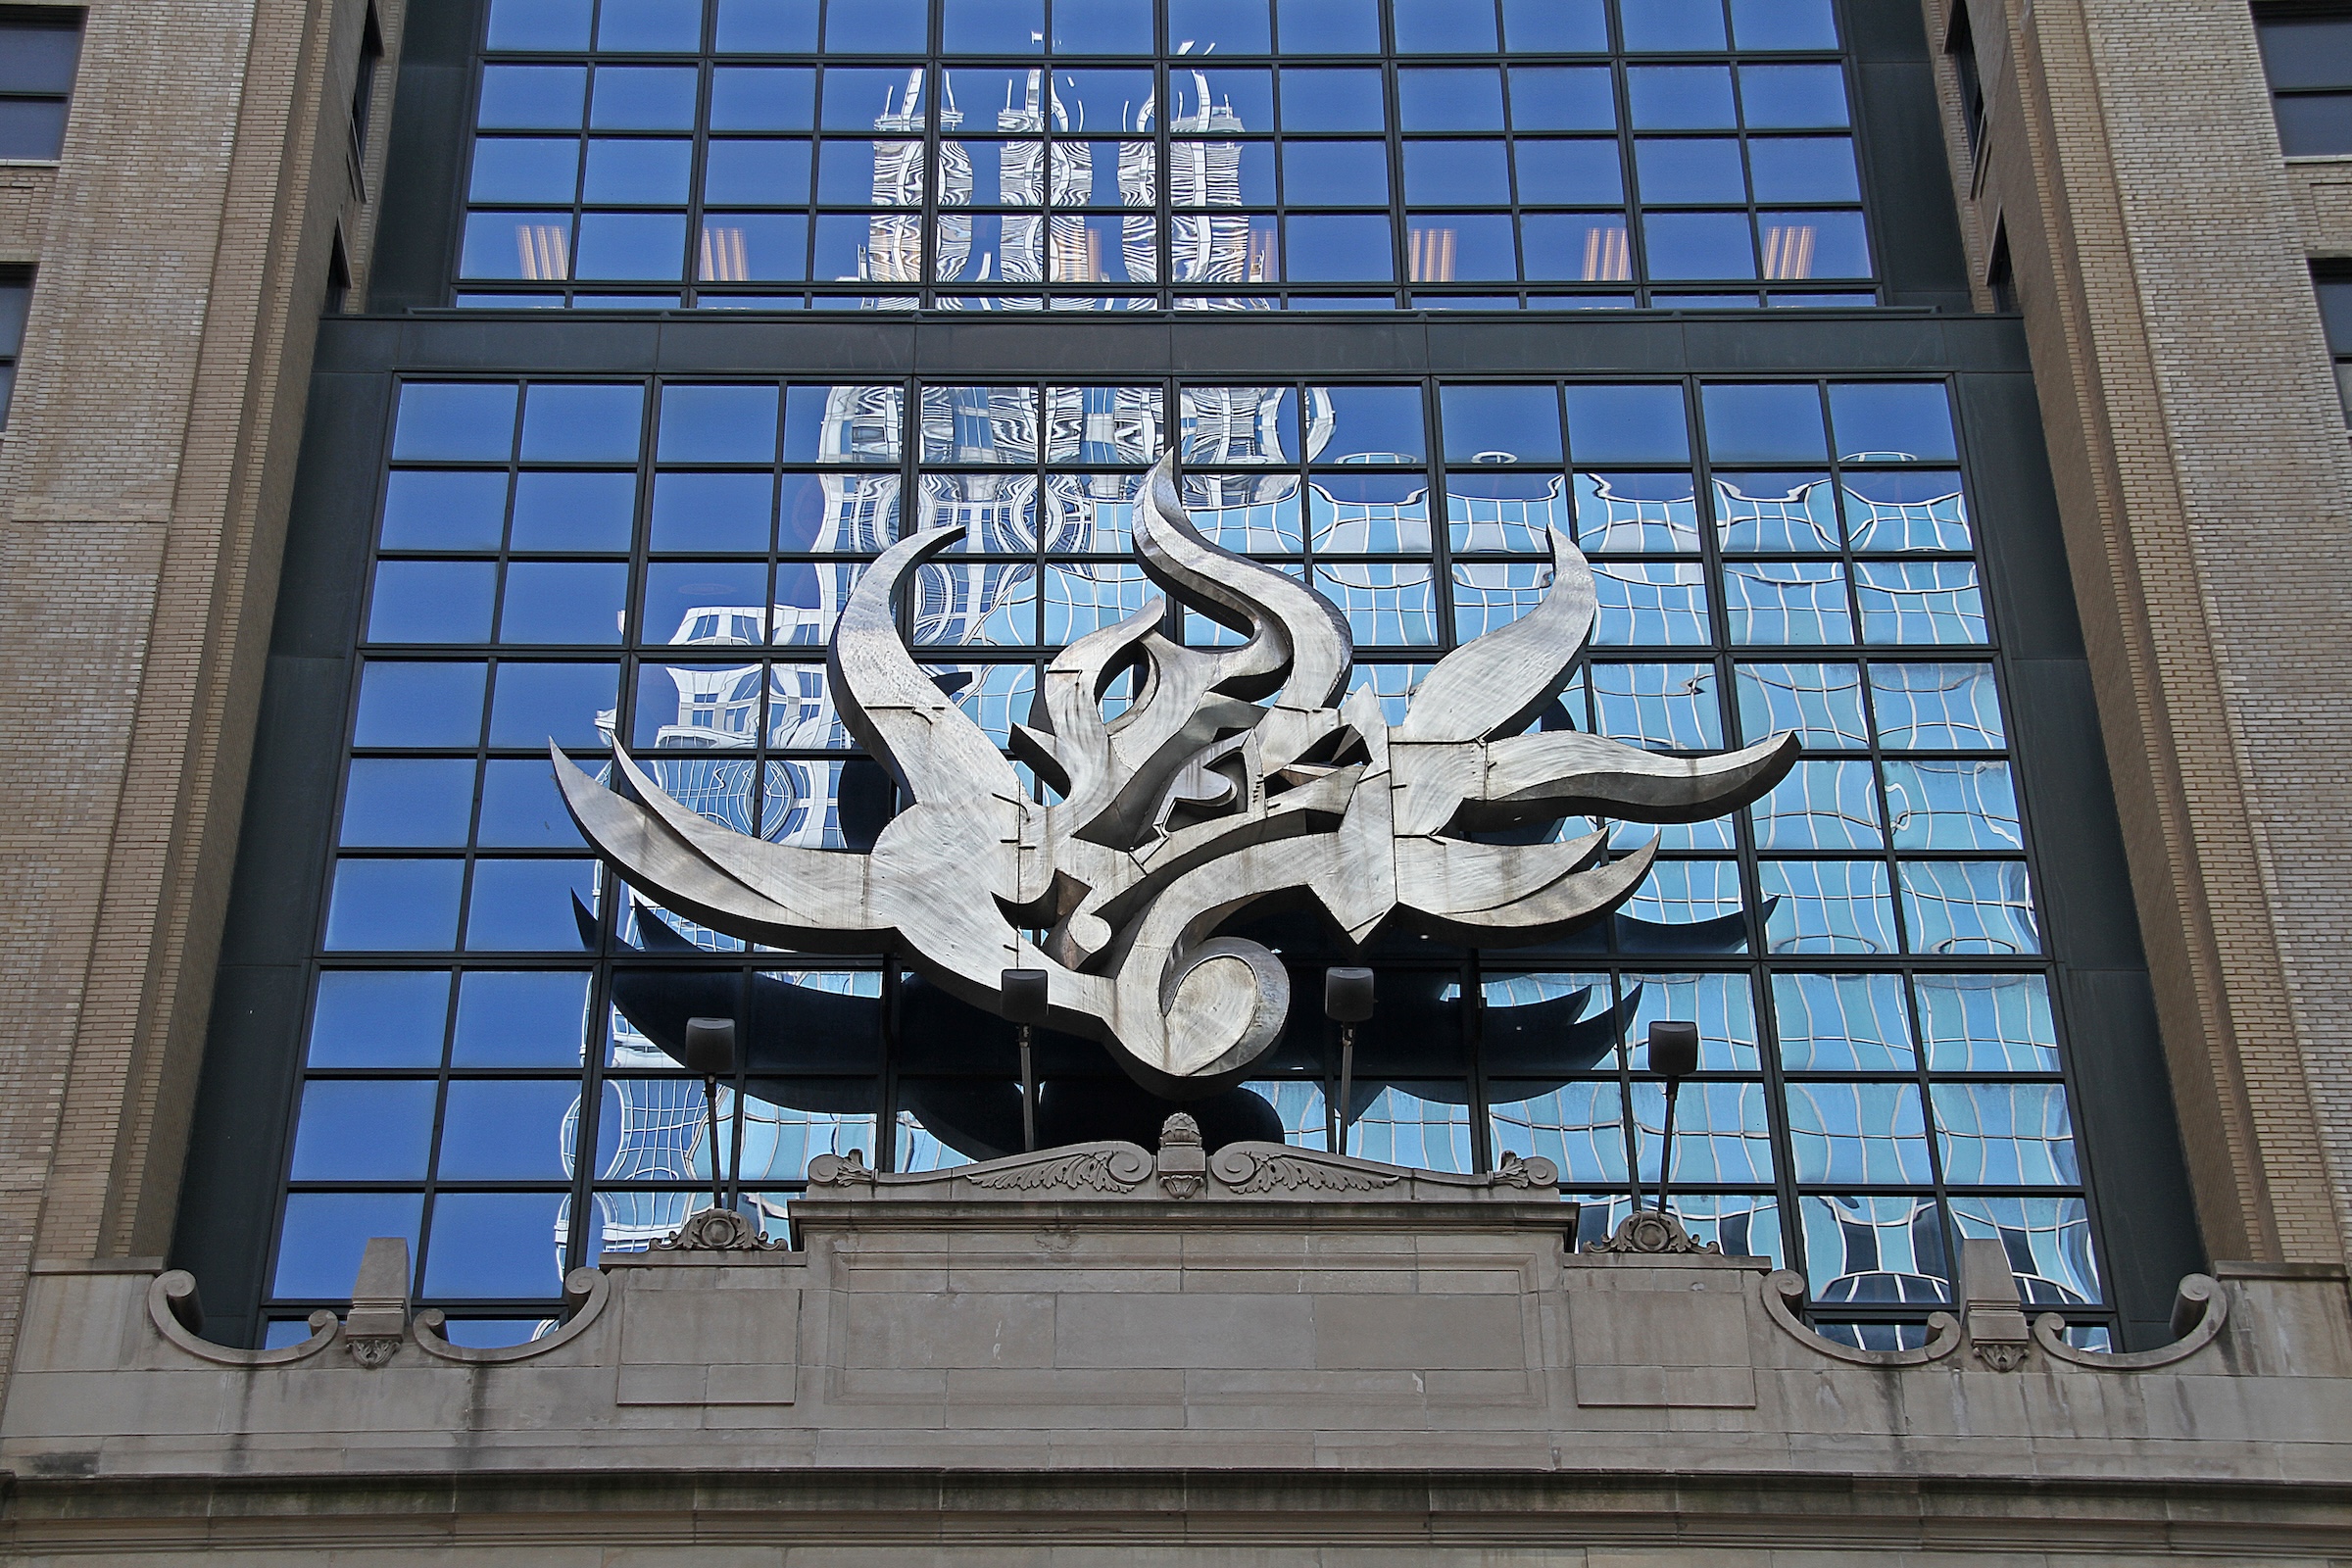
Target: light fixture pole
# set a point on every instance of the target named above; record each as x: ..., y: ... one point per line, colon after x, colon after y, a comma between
x: 710, y: 1052
x: 1674, y: 1056
x: 1026, y: 1004
x: 1347, y: 1001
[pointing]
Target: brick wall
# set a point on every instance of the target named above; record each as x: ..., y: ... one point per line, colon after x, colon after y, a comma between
x: 2206, y: 486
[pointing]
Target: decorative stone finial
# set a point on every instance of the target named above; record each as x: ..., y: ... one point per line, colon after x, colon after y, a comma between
x: 1651, y: 1231
x: 718, y: 1230
x: 1183, y: 1162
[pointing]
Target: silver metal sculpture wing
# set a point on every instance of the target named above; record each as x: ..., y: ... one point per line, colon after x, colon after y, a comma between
x: 1231, y: 775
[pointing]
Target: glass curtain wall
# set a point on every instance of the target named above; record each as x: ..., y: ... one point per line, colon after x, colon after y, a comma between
x: 1120, y: 155
x: 489, y: 1066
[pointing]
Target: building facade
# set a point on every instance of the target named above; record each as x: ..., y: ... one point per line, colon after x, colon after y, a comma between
x: 521, y: 372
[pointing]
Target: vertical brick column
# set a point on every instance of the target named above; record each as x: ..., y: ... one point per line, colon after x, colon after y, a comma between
x: 2207, y: 491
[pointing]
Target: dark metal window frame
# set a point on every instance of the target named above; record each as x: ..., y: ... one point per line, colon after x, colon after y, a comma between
x: 45, y: 19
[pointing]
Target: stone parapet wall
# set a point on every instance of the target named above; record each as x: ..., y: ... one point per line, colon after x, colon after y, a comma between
x: 1298, y: 1316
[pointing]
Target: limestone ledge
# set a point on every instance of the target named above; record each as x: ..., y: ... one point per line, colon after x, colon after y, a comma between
x: 1104, y: 1306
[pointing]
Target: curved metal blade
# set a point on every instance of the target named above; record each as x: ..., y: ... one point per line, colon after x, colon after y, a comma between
x: 1499, y: 682
x: 1564, y: 773
x: 929, y: 743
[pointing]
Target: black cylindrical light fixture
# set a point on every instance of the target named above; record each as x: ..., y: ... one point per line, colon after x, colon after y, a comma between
x: 711, y: 1046
x: 1348, y: 995
x: 1673, y: 1048
x: 1025, y: 995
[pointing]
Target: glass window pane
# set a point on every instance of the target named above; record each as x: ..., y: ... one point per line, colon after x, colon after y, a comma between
x: 637, y: 172
x: 1103, y: 27
x: 726, y: 511
x: 877, y: 28
x: 1562, y: 98
x: 455, y: 421
x: 1332, y: 100
x: 766, y: 98
x: 1328, y: 27
x: 1671, y: 707
x: 1969, y: 907
x: 767, y: 27
x: 569, y: 704
x: 1369, y: 424
x: 1875, y: 1251
x: 1386, y: 606
x: 1918, y: 602
x: 1803, y: 168
x: 1685, y: 907
x: 431, y: 602
x: 1456, y: 171
x: 1556, y: 27
x: 643, y: 98
x: 1723, y: 1005
x: 718, y: 425
x: 1489, y: 595
x: 1685, y: 170
x: 525, y: 171
x: 573, y: 511
x: 527, y: 905
x: 1338, y: 249
x: 1843, y: 1023
x: 1899, y: 420
x: 1776, y: 511
x: 704, y: 602
x: 324, y: 1234
x: 1697, y: 245
x: 995, y: 604
x: 1232, y: 27
x: 534, y: 246
x: 1820, y: 806
x: 993, y: 27
x: 756, y: 174
x: 1773, y: 97
x: 407, y: 803
x: 1827, y: 906
x: 549, y: 24
x: 1647, y: 513
x: 1907, y: 510
x: 1578, y: 171
x: 631, y: 245
x: 840, y: 425
x: 1722, y: 1132
x: 2315, y: 124
x: 1802, y: 245
x: 1514, y: 511
x: 394, y: 906
x: 1937, y: 707
x: 1577, y: 247
x: 650, y: 27
x: 1463, y: 98
x: 1680, y: 97
x: 1787, y: 602
x: 1442, y: 27
x: 430, y: 511
x: 1580, y: 1127
x: 1784, y: 24
x: 1952, y: 806
x: 1366, y: 514
x: 378, y: 1018
x: 493, y: 1244
x: 1450, y: 247
x: 1252, y: 513
x: 1496, y: 424
x: 530, y: 1018
x: 1988, y: 1022
x: 1220, y: 99
x: 404, y: 704
x: 1672, y: 25
x: 522, y: 808
x: 1336, y: 173
x: 2047, y: 1240
x: 583, y: 423
x: 1650, y: 601
x: 1822, y: 704
x: 563, y: 602
x: 1850, y: 1133
x: 515, y: 1130
x: 2005, y: 1135
x: 532, y: 97
x: 1627, y: 424
x: 1751, y: 423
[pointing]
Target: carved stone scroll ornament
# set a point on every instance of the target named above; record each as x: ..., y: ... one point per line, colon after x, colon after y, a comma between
x: 1231, y: 774
x: 718, y: 1230
x: 1111, y: 1168
x: 1651, y: 1231
x: 1784, y: 1294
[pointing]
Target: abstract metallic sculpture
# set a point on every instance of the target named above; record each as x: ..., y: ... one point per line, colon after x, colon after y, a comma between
x: 1231, y: 775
